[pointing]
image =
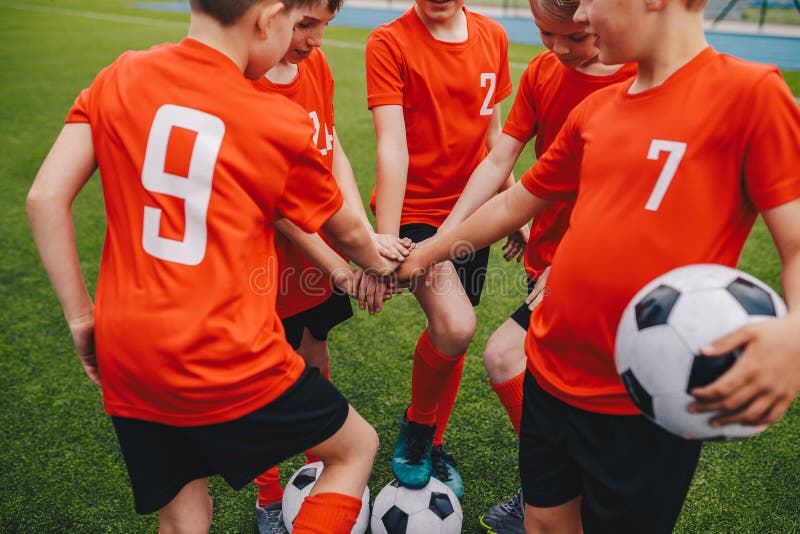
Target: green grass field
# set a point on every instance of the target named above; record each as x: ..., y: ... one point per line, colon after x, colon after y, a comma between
x: 60, y: 467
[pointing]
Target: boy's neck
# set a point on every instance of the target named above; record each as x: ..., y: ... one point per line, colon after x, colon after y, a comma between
x: 450, y: 30
x: 595, y: 68
x: 680, y: 39
x: 283, y: 73
x: 208, y: 31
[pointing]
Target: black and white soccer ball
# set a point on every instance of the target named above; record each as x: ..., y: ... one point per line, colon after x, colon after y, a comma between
x: 662, y: 330
x: 433, y: 509
x: 298, y: 488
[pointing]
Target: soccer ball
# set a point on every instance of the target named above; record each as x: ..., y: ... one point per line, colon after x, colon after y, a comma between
x: 298, y: 488
x: 433, y: 509
x: 662, y: 330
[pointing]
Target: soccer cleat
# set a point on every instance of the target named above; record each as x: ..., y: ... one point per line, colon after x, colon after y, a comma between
x: 506, y: 517
x: 269, y: 519
x: 411, y: 462
x: 443, y: 467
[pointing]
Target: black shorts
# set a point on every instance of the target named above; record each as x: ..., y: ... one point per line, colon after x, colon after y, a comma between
x: 471, y: 268
x: 319, y: 320
x: 632, y: 476
x: 161, y: 459
x: 522, y: 315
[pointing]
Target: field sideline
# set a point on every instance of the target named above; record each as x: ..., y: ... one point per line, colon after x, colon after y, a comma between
x: 60, y: 466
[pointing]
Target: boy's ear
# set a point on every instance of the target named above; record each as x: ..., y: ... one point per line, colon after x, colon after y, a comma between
x: 267, y: 13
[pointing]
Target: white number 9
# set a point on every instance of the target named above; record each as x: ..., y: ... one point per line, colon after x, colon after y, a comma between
x: 194, y: 189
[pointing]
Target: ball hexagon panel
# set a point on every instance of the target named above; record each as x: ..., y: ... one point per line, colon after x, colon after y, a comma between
x: 700, y: 317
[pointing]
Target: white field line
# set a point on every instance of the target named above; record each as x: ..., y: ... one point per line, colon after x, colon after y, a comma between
x: 148, y: 21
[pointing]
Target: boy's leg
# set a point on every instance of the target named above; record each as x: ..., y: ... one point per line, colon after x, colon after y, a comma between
x: 189, y: 511
x: 336, y: 497
x: 504, y: 358
x: 435, y: 378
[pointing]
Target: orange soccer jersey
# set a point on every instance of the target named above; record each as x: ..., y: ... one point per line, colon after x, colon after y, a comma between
x: 186, y: 330
x: 670, y: 176
x: 448, y: 92
x: 301, y: 284
x: 547, y: 93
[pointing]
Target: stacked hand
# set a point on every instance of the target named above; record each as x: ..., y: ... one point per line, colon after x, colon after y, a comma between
x: 514, y: 245
x: 373, y: 288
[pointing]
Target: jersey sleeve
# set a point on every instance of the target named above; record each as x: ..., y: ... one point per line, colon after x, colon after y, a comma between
x: 771, y: 168
x: 311, y: 195
x: 384, y: 62
x: 80, y: 108
x: 555, y: 175
x: 522, y: 122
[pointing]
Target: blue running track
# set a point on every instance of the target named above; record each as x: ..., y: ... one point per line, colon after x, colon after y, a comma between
x: 781, y: 51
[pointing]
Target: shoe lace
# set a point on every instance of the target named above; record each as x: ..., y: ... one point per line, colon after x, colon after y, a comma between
x: 274, y: 519
x: 440, y: 461
x: 417, y: 441
x: 513, y: 506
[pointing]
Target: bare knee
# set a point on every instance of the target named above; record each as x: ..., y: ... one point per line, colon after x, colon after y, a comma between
x: 502, y: 361
x: 189, y: 512
x: 452, y: 333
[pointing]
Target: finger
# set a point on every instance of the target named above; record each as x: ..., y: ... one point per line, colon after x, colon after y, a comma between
x: 736, y: 379
x: 749, y: 414
x: 362, y: 293
x: 728, y: 403
x: 726, y: 344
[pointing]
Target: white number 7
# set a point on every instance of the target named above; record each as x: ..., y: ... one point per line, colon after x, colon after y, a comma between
x: 676, y: 151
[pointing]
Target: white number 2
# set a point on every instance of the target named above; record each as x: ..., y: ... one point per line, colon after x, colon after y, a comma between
x: 676, y: 151
x: 194, y: 189
x: 328, y: 136
x: 490, y: 79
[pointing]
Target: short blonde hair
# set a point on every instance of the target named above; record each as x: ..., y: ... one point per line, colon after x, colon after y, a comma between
x: 227, y: 12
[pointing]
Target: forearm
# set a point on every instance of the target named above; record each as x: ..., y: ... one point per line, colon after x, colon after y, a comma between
x: 390, y: 188
x: 313, y: 246
x: 348, y: 233
x: 54, y: 234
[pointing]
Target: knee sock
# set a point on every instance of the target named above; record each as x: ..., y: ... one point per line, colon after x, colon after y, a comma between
x: 510, y: 395
x: 447, y: 400
x: 269, y: 487
x: 327, y: 513
x: 428, y: 377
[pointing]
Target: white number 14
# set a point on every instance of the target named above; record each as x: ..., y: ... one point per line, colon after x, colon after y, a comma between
x: 676, y: 151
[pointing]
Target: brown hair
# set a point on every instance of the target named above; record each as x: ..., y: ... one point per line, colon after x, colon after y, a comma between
x: 227, y: 12
x: 560, y: 10
x: 335, y: 5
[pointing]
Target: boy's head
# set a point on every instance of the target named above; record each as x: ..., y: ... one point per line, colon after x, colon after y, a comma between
x: 264, y: 27
x: 632, y: 30
x: 307, y: 33
x: 567, y: 39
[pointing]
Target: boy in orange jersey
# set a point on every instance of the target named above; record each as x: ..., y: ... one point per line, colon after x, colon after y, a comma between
x: 435, y: 78
x: 553, y: 83
x: 314, y: 279
x: 666, y: 170
x: 194, y: 367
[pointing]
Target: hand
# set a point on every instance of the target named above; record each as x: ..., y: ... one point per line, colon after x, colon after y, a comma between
x: 347, y: 279
x: 82, y: 329
x: 514, y: 245
x: 763, y: 381
x: 411, y: 268
x: 392, y: 247
x: 373, y: 291
x: 538, y: 292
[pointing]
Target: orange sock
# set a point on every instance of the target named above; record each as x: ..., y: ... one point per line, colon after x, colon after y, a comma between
x: 269, y: 486
x: 327, y: 513
x: 428, y: 377
x: 310, y: 458
x: 326, y: 372
x: 510, y: 395
x: 447, y: 400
